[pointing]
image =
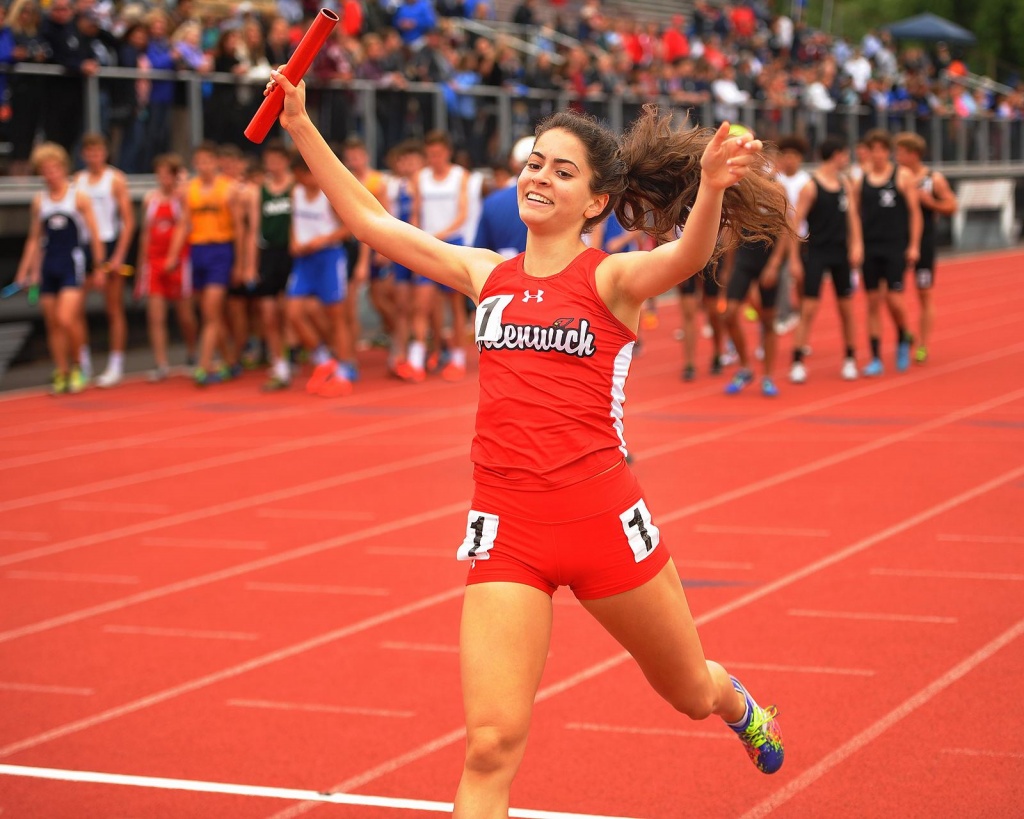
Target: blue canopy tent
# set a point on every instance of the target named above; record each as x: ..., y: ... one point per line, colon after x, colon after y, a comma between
x: 930, y: 27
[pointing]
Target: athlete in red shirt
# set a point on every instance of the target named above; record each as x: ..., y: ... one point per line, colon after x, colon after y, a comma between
x: 554, y: 502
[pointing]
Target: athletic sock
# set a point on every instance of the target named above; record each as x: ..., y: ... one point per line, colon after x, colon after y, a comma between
x: 798, y: 355
x: 459, y: 357
x: 116, y: 361
x: 745, y: 719
x: 85, y: 357
x: 905, y: 337
x: 417, y: 354
x: 849, y: 352
x: 320, y: 355
x: 876, y: 347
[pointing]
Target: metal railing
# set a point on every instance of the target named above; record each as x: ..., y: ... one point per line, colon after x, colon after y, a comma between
x: 488, y: 120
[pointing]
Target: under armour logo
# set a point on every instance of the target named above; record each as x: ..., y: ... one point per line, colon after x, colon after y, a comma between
x: 887, y: 198
x: 539, y: 295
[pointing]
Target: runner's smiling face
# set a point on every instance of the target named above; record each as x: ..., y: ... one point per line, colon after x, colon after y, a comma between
x: 554, y: 187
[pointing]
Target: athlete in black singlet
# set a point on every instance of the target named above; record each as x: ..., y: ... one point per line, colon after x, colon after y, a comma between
x: 890, y: 213
x: 937, y: 197
x: 834, y: 244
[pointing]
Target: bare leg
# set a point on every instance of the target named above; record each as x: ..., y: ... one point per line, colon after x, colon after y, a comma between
x: 653, y: 623
x: 927, y: 318
x: 55, y: 338
x: 187, y: 324
x: 211, y: 305
x: 506, y: 631
x: 156, y: 315
x: 118, y: 324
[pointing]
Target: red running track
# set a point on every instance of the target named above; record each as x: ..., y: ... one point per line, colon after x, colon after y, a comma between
x: 224, y: 588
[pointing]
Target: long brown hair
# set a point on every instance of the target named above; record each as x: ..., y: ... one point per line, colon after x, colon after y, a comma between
x: 652, y: 173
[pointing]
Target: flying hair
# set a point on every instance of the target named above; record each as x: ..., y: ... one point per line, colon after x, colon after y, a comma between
x: 662, y: 171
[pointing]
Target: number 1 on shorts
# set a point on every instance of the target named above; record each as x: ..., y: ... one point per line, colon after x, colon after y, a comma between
x: 642, y: 534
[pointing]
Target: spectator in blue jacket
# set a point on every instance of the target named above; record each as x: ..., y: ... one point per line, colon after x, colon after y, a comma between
x: 413, y: 20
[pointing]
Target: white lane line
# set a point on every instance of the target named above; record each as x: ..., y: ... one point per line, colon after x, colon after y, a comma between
x: 69, y: 577
x: 198, y: 683
x: 298, y: 588
x: 195, y: 634
x: 436, y: 647
x: 33, y: 688
x: 871, y: 615
x: 872, y: 732
x: 314, y: 514
x: 882, y: 572
x: 408, y: 551
x: 630, y: 729
x: 32, y: 537
x: 834, y: 459
x: 219, y: 509
x: 119, y: 508
x: 811, y: 569
x: 283, y: 447
x: 318, y: 708
x: 715, y: 564
x: 760, y: 530
x: 984, y: 753
x: 980, y: 539
x: 802, y: 669
x: 206, y: 543
x: 233, y: 571
x: 263, y: 792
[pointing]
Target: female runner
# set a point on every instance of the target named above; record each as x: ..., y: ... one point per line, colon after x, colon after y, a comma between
x: 555, y: 503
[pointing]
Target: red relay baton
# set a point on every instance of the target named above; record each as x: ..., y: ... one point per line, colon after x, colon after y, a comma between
x: 295, y: 69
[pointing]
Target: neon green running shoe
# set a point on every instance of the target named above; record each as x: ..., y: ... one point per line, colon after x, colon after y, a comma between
x: 59, y: 384
x: 76, y: 381
x: 921, y: 355
x: 761, y: 735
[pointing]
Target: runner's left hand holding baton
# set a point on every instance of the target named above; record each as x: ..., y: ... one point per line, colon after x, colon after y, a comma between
x: 294, y: 70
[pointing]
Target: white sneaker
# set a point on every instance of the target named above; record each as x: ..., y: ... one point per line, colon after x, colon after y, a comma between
x: 109, y: 378
x: 849, y: 371
x: 798, y: 373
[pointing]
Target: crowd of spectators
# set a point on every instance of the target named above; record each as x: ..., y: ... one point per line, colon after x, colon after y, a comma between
x: 714, y: 59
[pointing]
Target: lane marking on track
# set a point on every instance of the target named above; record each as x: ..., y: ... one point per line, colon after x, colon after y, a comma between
x: 117, y: 508
x: 34, y: 688
x: 408, y: 551
x: 876, y: 729
x: 234, y: 671
x: 980, y: 539
x: 802, y: 669
x: 838, y: 457
x: 264, y: 792
x: 871, y: 615
x: 641, y: 731
x: 984, y: 753
x: 206, y: 543
x: 318, y: 708
x: 231, y: 572
x: 284, y: 447
x: 299, y: 588
x: 237, y: 505
x: 70, y: 577
x: 34, y: 537
x: 811, y: 569
x: 760, y: 530
x: 195, y: 634
x: 314, y: 514
x: 435, y: 647
x: 946, y: 575
x: 715, y: 564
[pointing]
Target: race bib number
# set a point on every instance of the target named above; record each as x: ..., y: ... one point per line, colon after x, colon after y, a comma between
x: 481, y: 530
x: 641, y: 533
x: 488, y: 318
